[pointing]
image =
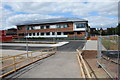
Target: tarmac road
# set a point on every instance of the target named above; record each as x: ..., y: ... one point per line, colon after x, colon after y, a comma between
x: 63, y: 64
x: 72, y: 46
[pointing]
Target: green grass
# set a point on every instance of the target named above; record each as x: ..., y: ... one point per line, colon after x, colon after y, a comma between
x: 110, y: 44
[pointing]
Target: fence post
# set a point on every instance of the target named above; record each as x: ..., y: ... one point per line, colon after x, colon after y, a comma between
x: 99, y: 47
x: 118, y: 57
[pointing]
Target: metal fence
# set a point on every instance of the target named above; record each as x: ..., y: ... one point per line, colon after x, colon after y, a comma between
x: 13, y: 63
x: 109, y: 55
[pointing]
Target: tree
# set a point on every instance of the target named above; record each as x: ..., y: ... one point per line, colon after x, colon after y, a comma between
x: 118, y: 29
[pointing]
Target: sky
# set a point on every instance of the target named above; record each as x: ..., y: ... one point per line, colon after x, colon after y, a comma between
x: 102, y: 13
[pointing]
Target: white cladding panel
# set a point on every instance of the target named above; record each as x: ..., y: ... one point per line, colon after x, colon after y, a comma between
x: 52, y: 26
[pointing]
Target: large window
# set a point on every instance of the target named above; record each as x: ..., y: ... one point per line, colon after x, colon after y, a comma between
x: 21, y: 34
x: 65, y: 26
x: 80, y: 25
x: 33, y: 34
x: 42, y: 27
x: 47, y: 27
x: 62, y: 26
x: 32, y: 27
x: 65, y: 33
x: 53, y: 33
x: 30, y: 34
x: 47, y: 33
x: 19, y: 28
x: 58, y: 26
x: 58, y: 33
x: 42, y: 33
x: 37, y: 33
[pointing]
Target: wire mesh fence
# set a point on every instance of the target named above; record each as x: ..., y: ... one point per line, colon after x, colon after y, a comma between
x: 109, y: 55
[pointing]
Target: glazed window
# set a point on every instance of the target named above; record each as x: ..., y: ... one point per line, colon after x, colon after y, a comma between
x: 37, y: 33
x: 47, y: 27
x: 32, y: 28
x: 42, y: 33
x: 48, y: 33
x: 33, y: 34
x: 22, y: 34
x: 65, y: 33
x: 30, y: 34
x: 53, y: 33
x: 62, y: 26
x: 19, y: 28
x: 65, y: 26
x: 42, y: 27
x: 58, y: 33
x: 79, y: 25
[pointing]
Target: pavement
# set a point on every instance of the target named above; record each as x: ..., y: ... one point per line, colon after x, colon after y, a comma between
x: 34, y: 45
x: 5, y: 52
x: 63, y: 64
x: 92, y: 45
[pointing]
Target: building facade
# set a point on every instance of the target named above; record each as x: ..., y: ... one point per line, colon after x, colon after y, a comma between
x: 54, y: 28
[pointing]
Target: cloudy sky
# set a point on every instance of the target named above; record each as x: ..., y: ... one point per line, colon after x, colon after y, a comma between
x: 99, y: 14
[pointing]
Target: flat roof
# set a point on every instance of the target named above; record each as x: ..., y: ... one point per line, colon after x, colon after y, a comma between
x: 52, y: 20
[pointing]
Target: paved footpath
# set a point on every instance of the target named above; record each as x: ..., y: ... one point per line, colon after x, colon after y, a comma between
x: 92, y: 45
x: 64, y: 64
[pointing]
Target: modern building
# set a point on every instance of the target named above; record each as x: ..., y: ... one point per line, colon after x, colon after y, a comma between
x: 11, y: 32
x: 52, y: 28
x: 8, y: 35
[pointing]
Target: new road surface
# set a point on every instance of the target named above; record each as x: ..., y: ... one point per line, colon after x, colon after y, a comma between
x: 63, y: 64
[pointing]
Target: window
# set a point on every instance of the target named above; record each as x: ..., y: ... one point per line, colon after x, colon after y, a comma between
x: 33, y: 34
x: 47, y: 27
x: 53, y: 33
x: 65, y: 26
x: 62, y: 26
x: 32, y: 28
x: 48, y: 33
x: 58, y: 26
x: 79, y: 25
x: 30, y: 34
x: 37, y: 33
x: 58, y: 33
x: 65, y: 33
x: 42, y: 33
x: 27, y: 28
x: 22, y: 34
x: 19, y: 28
x: 42, y: 27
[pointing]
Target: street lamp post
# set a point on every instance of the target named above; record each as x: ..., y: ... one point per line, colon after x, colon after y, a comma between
x: 26, y: 40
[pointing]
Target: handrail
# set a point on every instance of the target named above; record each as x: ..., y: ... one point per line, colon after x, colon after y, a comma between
x: 28, y: 60
x: 83, y: 66
x: 27, y: 53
